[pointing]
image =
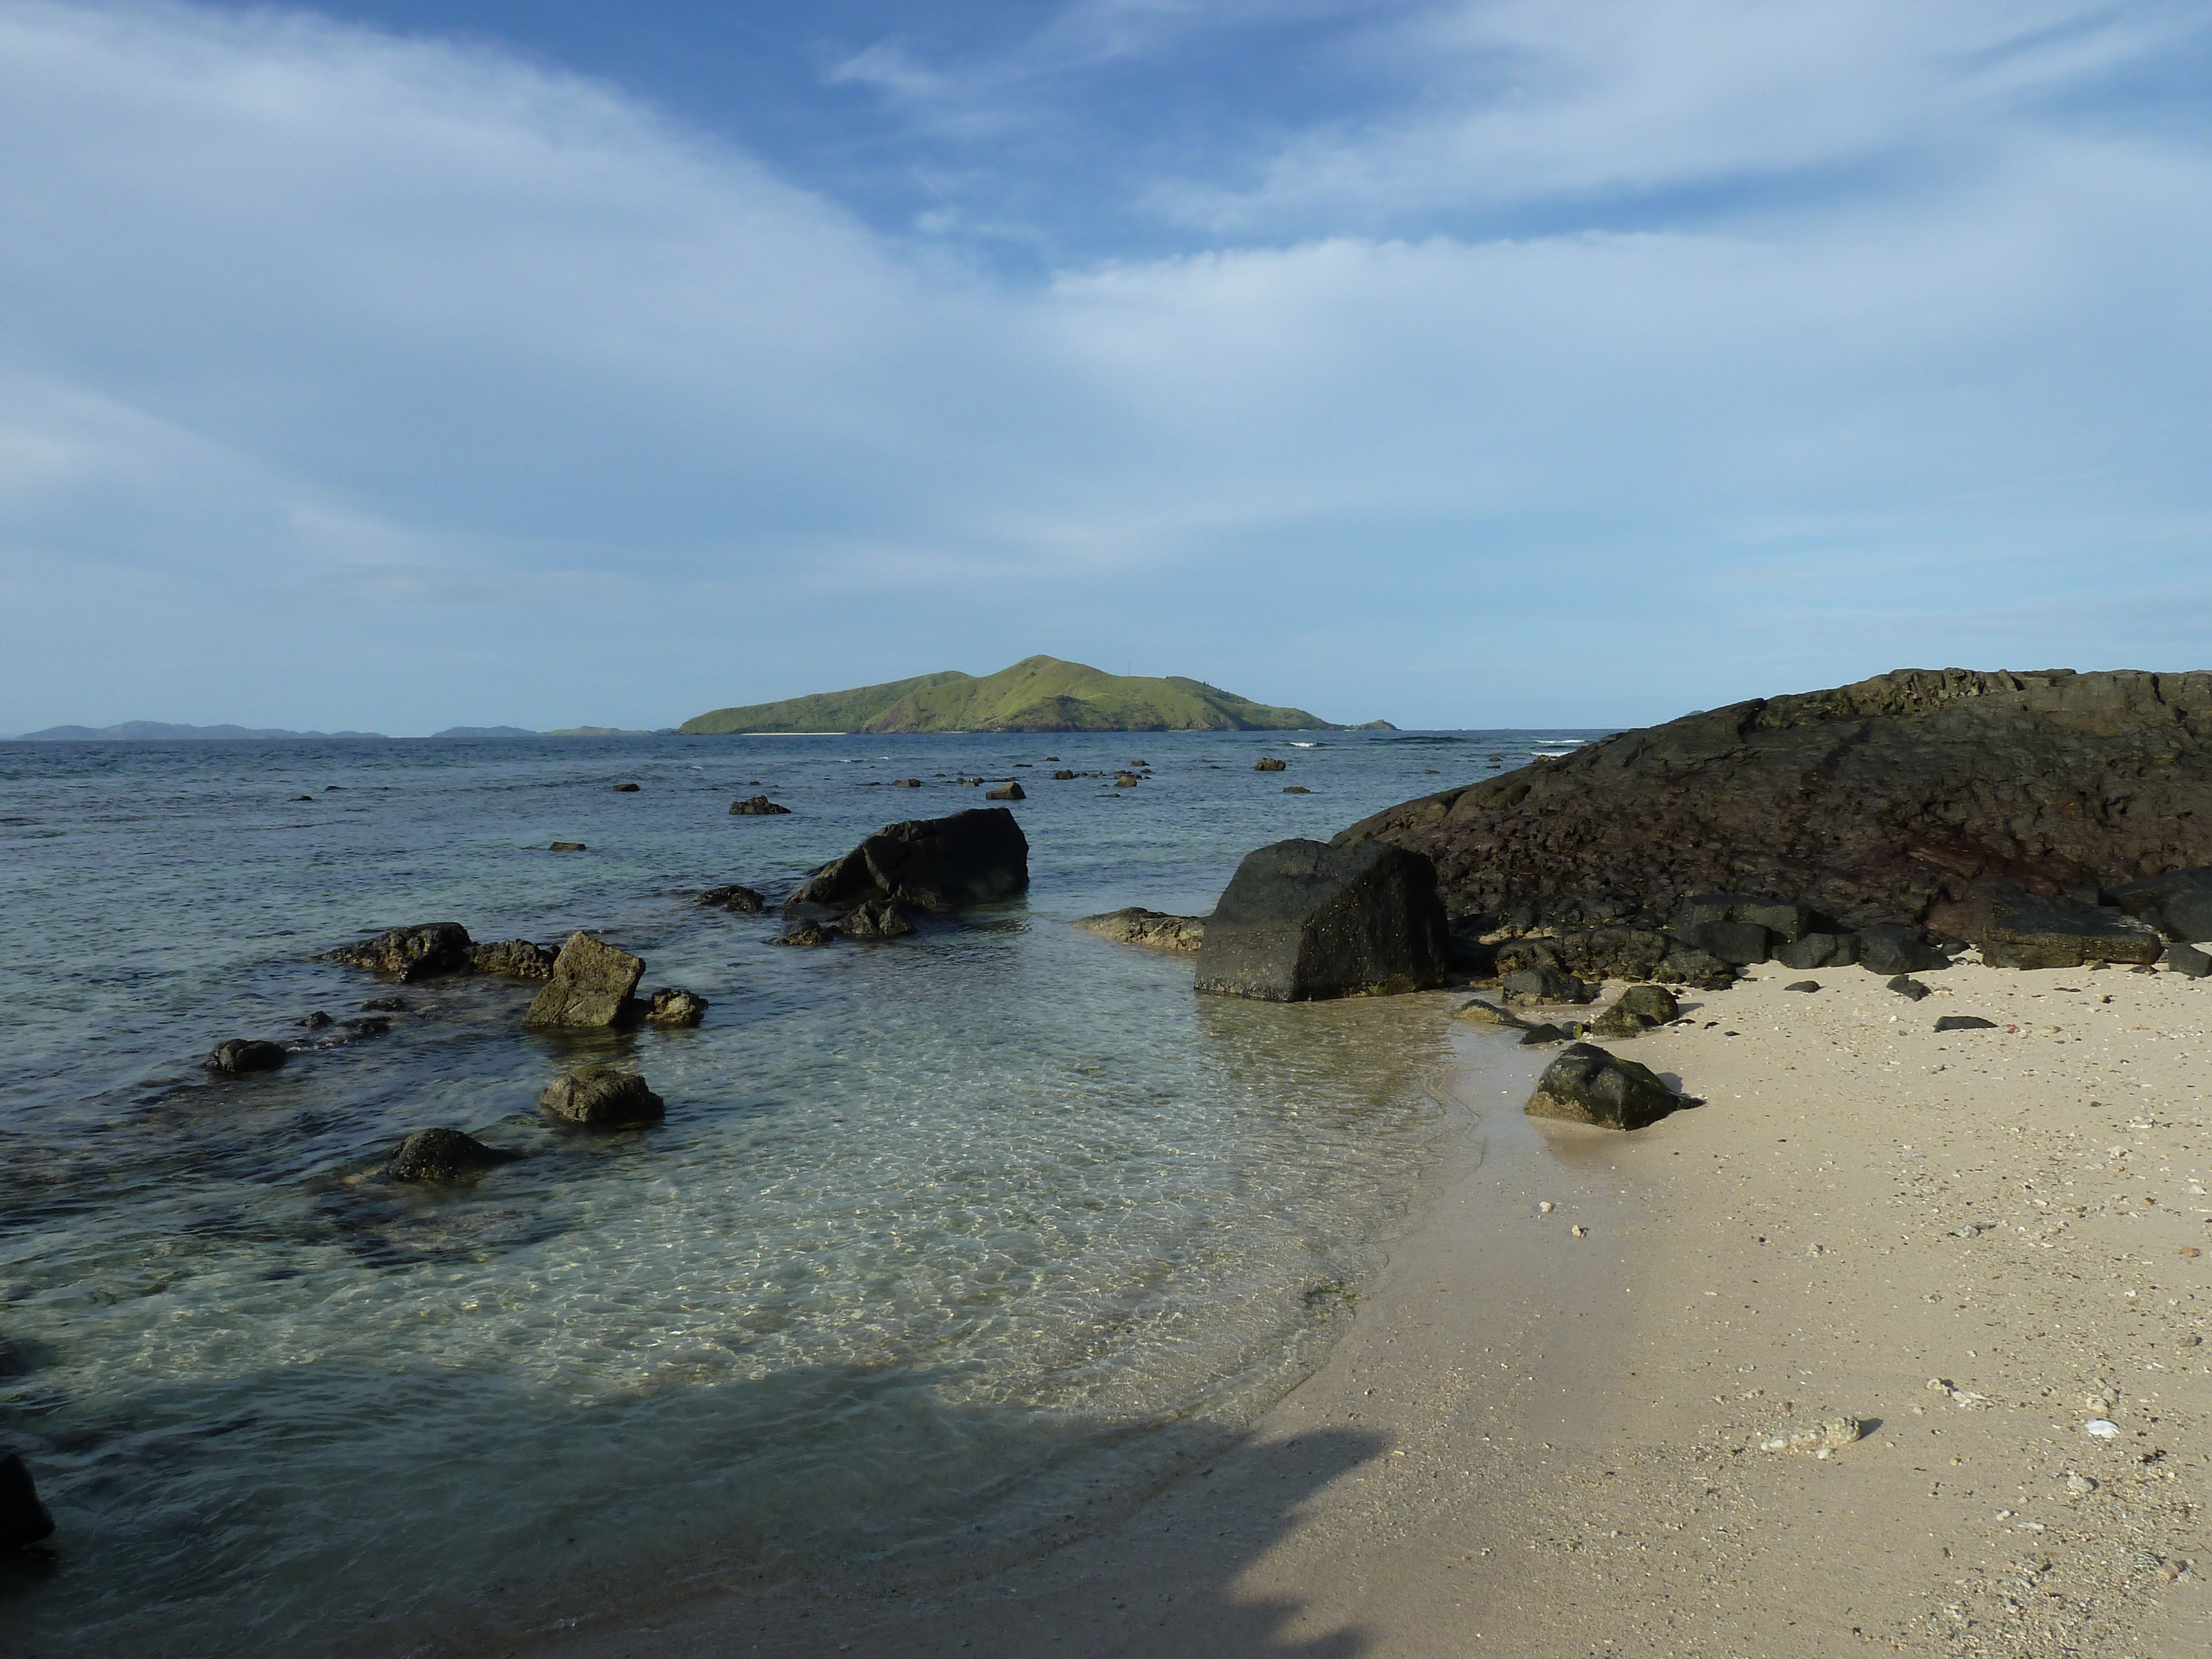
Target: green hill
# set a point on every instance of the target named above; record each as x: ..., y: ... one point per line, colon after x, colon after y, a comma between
x: 1037, y: 694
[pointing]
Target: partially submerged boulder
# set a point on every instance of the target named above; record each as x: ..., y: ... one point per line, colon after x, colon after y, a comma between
x: 517, y: 958
x: 743, y: 899
x: 2025, y: 931
x: 1268, y: 763
x: 443, y: 1157
x: 1586, y: 1084
x: 807, y: 933
x: 602, y: 1098
x: 24, y: 1518
x: 671, y: 1006
x: 1155, y: 930
x: 410, y: 953
x: 241, y: 1056
x: 1300, y: 920
x: 876, y: 919
x: 592, y: 985
x: 934, y: 863
x: 1005, y: 792
x: 756, y: 806
x: 1476, y: 1011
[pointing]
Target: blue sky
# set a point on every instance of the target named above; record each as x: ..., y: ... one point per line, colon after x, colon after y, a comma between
x: 394, y: 365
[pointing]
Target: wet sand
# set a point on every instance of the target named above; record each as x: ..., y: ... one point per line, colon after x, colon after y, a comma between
x: 1537, y: 1443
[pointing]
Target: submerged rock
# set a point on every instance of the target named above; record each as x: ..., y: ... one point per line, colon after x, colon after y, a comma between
x: 875, y: 919
x: 410, y: 953
x: 592, y: 985
x: 743, y: 899
x: 240, y: 1056
x: 1300, y: 920
x: 805, y: 932
x: 1586, y: 1084
x: 1268, y: 763
x: 1156, y: 930
x: 602, y: 1098
x: 441, y: 1156
x: 1295, y: 789
x: 756, y: 806
x: 625, y: 789
x: 567, y: 846
x: 24, y: 1518
x: 1005, y: 792
x: 933, y: 864
x: 517, y: 958
x: 672, y: 1006
x: 1063, y: 775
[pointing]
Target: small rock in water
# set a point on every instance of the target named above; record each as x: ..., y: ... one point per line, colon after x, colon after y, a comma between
x: 756, y: 806
x: 808, y: 933
x: 387, y: 1005
x: 672, y: 1007
x: 743, y: 899
x: 625, y: 789
x: 517, y: 958
x: 1476, y: 1011
x: 314, y: 1022
x: 906, y: 783
x: 1295, y: 789
x: 602, y: 1098
x: 238, y: 1057
x: 1125, y: 780
x: 2079, y: 1484
x: 372, y: 1028
x: 1910, y: 988
x: 567, y: 846
x: 1063, y: 775
x: 1965, y: 1022
x: 439, y: 1157
x: 1803, y: 985
x: 879, y: 918
x: 1268, y: 764
x: 1005, y: 792
x: 24, y: 1518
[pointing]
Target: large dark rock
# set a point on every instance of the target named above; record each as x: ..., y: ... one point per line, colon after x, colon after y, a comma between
x: 758, y: 806
x: 1300, y: 920
x: 2024, y: 931
x: 934, y: 863
x: 2177, y: 903
x: 240, y: 1056
x: 410, y: 953
x: 1739, y: 944
x: 1891, y: 948
x: 1585, y: 1084
x: 1818, y: 950
x: 24, y: 1518
x: 442, y: 1157
x: 743, y: 899
x: 1544, y: 986
x: 1784, y: 921
x: 2187, y: 960
x: 517, y: 958
x: 592, y: 985
x: 1901, y: 798
x: 602, y: 1098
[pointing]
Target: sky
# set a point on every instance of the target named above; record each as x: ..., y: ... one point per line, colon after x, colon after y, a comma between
x: 1461, y: 362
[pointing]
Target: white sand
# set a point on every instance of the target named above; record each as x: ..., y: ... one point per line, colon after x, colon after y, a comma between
x: 1536, y: 1444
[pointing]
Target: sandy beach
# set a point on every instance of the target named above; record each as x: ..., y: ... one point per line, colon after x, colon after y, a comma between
x: 1543, y: 1432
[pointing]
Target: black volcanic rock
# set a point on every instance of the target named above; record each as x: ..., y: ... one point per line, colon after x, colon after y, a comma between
x: 1300, y: 920
x: 410, y: 953
x: 934, y: 863
x: 1910, y: 797
x: 24, y: 1518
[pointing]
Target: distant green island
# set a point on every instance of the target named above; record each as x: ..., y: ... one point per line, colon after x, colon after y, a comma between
x: 1037, y: 694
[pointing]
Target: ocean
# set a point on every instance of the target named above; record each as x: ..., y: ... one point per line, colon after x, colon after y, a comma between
x: 951, y: 1247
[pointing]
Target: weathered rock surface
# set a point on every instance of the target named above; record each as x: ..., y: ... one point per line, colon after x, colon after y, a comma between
x: 1636, y: 1011
x: 24, y: 1518
x: 1910, y: 989
x: 876, y: 919
x: 2177, y: 903
x: 1300, y: 920
x: 440, y: 1157
x: 1586, y: 1084
x: 743, y: 899
x: 1901, y: 799
x: 805, y: 932
x: 671, y: 1006
x: 410, y: 953
x: 592, y: 985
x: 2187, y: 960
x: 1126, y: 780
x: 1005, y: 792
x: 239, y: 1056
x: 2025, y: 931
x: 1544, y: 986
x: 1630, y: 953
x: 1268, y: 764
x: 1895, y: 948
x: 1542, y: 1036
x: 1823, y: 950
x: 517, y: 958
x: 1063, y: 775
x: 933, y: 864
x: 602, y: 1097
x: 1156, y: 930
x: 756, y: 806
x: 1476, y: 1011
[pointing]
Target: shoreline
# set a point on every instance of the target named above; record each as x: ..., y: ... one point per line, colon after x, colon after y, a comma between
x: 1530, y: 1443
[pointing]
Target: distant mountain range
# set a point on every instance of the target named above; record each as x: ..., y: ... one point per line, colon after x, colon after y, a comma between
x: 1037, y: 694
x: 162, y: 731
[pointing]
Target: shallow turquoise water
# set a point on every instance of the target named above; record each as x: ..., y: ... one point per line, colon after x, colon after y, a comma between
x: 949, y: 1246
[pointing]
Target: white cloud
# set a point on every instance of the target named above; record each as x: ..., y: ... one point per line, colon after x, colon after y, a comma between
x: 424, y: 357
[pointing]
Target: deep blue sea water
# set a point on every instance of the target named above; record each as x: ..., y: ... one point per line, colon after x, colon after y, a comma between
x: 950, y: 1247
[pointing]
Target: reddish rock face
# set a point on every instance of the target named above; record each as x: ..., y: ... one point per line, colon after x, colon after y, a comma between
x: 1911, y: 797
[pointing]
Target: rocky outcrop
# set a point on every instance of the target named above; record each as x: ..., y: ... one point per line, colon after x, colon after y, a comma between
x: 1903, y: 798
x: 517, y: 958
x: 673, y: 1007
x: 442, y: 1157
x: 940, y: 865
x: 2025, y: 931
x: 410, y: 953
x: 1268, y: 764
x: 2177, y: 903
x: 1300, y: 920
x: 756, y: 806
x: 1544, y: 986
x: 1585, y: 1084
x: 875, y: 919
x: 1005, y: 792
x: 743, y: 899
x: 591, y: 987
x: 240, y: 1056
x: 1635, y: 1012
x: 1155, y: 930
x: 601, y: 1098
x: 24, y: 1518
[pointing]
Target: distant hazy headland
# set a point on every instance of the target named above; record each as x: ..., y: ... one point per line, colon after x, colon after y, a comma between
x: 163, y: 732
x: 1037, y: 694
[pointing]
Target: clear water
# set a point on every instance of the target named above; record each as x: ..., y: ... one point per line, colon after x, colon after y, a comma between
x: 950, y: 1247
